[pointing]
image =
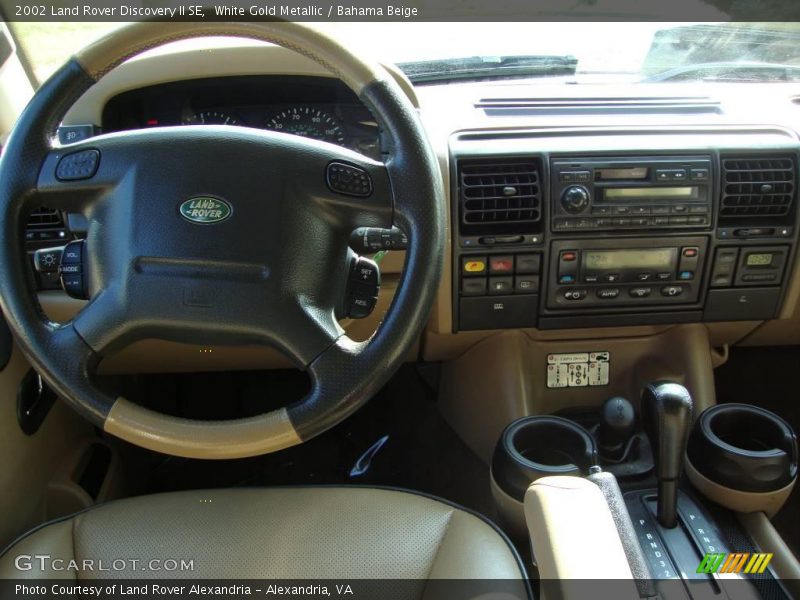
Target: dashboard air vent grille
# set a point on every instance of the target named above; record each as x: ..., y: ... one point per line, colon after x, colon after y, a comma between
x: 506, y: 192
x: 757, y: 186
x: 45, y: 218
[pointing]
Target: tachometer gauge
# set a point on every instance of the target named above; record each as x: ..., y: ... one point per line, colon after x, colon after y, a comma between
x: 210, y: 117
x: 309, y: 122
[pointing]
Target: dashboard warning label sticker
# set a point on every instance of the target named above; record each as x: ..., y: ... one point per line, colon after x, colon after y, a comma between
x: 578, y: 369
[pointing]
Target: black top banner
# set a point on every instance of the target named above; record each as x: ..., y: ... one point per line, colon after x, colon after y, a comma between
x: 400, y: 10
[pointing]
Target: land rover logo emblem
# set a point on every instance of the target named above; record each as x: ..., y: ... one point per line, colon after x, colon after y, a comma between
x: 205, y: 210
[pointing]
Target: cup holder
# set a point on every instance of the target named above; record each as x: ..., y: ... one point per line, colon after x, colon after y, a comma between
x: 535, y: 447
x: 742, y: 457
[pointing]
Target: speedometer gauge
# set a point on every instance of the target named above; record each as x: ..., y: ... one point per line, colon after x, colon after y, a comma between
x: 309, y: 122
x: 210, y: 117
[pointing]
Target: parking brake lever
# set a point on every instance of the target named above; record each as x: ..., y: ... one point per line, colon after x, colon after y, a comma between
x: 667, y: 416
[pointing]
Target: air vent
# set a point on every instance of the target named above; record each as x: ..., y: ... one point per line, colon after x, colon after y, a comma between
x: 761, y: 186
x: 45, y: 218
x: 500, y: 193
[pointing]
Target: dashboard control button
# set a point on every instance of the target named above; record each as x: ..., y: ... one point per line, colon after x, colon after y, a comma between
x: 699, y: 174
x: 607, y: 293
x: 663, y: 276
x: 661, y: 221
x: 641, y: 210
x: 473, y: 286
x: 621, y: 222
x: 690, y: 252
x: 591, y: 278
x: 611, y: 277
x: 526, y: 285
x: 473, y: 265
x: 529, y: 263
x: 644, y: 276
x: 680, y: 208
x: 698, y: 209
x: 501, y: 285
x: 348, y: 180
x: 602, y: 210
x: 501, y: 264
x: 575, y: 199
x: 678, y: 220
x: 663, y: 175
x: 574, y: 294
x: 686, y: 275
x: 73, y: 284
x: 622, y: 210
x: 78, y: 165
x: 672, y: 291
x: 47, y: 260
x: 760, y: 277
x: 660, y: 210
x: 73, y: 253
x: 566, y: 279
x: 640, y: 292
x: 602, y: 222
x: 695, y: 220
x: 679, y: 175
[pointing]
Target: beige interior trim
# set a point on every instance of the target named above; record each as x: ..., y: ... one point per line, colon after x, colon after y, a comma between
x: 237, y: 438
x: 736, y: 500
x: 503, y: 377
x: 784, y: 563
x: 102, y: 56
x: 574, y: 537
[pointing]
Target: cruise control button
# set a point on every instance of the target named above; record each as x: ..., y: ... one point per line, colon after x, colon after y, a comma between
x: 607, y: 293
x: 78, y: 165
x: 640, y: 292
x: 366, y: 272
x: 672, y: 290
x: 348, y: 180
x: 73, y: 284
x: 361, y: 306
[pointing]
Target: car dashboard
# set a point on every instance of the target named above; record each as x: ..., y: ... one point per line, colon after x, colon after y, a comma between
x: 580, y: 212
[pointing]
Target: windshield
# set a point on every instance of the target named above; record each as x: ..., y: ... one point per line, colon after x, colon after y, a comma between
x: 598, y: 52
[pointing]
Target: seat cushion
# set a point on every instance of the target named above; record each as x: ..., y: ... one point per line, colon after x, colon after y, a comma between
x: 275, y: 533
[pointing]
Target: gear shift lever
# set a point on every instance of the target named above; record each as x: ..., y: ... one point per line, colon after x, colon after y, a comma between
x: 667, y: 416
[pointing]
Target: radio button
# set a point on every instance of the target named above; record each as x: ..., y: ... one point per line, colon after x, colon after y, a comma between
x: 608, y: 293
x: 499, y: 286
x: 622, y: 210
x: 640, y: 292
x: 678, y: 220
x: 660, y: 210
x: 702, y: 208
x: 641, y: 210
x: 679, y: 175
x: 602, y: 210
x: 602, y: 222
x: 621, y: 222
x: 574, y: 294
x: 672, y: 291
x: 697, y: 220
x: 663, y: 175
x: 680, y: 208
x: 661, y: 221
x: 699, y: 174
x: 643, y: 221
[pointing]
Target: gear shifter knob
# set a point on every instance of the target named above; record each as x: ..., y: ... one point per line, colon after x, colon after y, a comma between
x: 617, y: 426
x: 667, y: 416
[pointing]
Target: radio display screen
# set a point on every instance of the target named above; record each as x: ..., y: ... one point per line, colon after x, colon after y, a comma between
x: 656, y: 259
x: 633, y: 193
x: 759, y: 260
x: 622, y: 173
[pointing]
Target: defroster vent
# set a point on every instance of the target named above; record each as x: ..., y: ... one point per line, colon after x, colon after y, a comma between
x: 762, y: 186
x: 500, y: 195
x: 45, y: 218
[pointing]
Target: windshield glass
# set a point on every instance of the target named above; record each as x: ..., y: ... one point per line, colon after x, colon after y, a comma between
x: 575, y: 52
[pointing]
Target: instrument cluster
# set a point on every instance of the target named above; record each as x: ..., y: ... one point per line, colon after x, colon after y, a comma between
x: 314, y: 107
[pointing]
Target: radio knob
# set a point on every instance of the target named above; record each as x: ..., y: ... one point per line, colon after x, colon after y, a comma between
x: 575, y: 199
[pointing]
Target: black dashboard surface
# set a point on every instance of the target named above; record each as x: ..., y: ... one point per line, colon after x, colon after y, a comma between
x: 316, y: 107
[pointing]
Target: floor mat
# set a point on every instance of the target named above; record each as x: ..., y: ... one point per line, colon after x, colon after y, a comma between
x: 765, y: 377
x: 419, y: 450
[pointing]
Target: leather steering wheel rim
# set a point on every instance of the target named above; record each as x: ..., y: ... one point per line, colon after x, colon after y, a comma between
x: 344, y: 374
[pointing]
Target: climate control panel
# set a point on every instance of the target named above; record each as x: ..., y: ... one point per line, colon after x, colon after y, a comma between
x: 604, y: 273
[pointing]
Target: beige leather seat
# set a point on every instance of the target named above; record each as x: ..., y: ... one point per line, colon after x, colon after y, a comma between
x: 272, y: 533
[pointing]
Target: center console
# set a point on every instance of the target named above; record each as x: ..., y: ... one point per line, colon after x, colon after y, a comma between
x: 555, y: 240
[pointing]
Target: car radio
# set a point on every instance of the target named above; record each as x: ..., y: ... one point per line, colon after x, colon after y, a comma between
x: 603, y: 273
x: 671, y: 192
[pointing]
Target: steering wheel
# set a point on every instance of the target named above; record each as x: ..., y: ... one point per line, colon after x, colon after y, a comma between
x: 272, y: 272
